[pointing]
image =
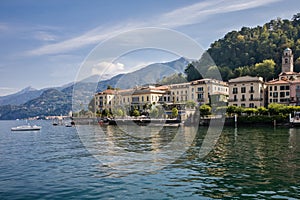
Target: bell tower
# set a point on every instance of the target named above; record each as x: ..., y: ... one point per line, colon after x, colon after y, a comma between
x: 287, y: 61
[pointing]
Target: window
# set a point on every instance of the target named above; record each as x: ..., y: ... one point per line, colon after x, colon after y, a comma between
x: 200, y: 96
x: 243, y: 89
x: 251, y: 98
x: 287, y: 93
x: 282, y: 94
x: 287, y: 87
x: 275, y: 88
x: 282, y: 87
x: 192, y: 89
x: 147, y: 98
x: 142, y: 98
x: 243, y: 105
x: 200, y: 89
x: 286, y: 61
x: 251, y: 105
x: 235, y: 91
x: 270, y: 94
x: 275, y: 94
x: 135, y: 99
x: 251, y: 89
x: 271, y: 88
x: 243, y: 97
x: 270, y: 100
x: 235, y: 99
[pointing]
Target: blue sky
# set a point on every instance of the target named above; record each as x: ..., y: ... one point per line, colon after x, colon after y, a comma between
x: 43, y: 43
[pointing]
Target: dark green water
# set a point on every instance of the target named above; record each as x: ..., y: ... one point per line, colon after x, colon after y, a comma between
x: 246, y: 163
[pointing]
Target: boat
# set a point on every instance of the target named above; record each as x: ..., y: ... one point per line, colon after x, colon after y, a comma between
x: 294, y: 119
x: 26, y: 128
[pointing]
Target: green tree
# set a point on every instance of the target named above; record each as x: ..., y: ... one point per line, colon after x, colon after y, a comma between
x: 105, y: 112
x: 213, y: 72
x: 154, y: 112
x: 136, y: 113
x: 265, y: 69
x: 174, y: 112
x: 205, y: 110
x: 91, y: 105
x: 192, y: 72
x: 275, y: 108
x: 190, y: 104
x: 262, y: 111
x: 118, y: 112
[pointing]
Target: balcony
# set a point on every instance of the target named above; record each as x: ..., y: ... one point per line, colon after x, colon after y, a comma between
x: 255, y: 99
x: 201, y: 100
x: 243, y: 99
x: 251, y: 91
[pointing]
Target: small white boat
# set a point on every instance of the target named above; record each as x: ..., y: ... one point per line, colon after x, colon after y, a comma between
x: 26, y: 128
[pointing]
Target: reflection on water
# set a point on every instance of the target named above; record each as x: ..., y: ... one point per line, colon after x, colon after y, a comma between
x: 255, y: 163
x: 137, y: 148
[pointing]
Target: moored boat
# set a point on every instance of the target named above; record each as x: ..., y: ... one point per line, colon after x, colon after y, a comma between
x: 26, y: 128
x: 294, y: 119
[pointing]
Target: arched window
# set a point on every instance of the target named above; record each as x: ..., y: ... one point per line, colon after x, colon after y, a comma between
x: 286, y: 61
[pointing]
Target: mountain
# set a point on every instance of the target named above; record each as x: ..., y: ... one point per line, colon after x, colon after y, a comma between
x: 76, y: 96
x: 249, y: 46
x: 20, y: 97
x: 150, y: 74
x: 50, y: 102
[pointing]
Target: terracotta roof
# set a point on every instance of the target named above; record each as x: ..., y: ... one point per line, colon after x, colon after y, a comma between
x: 275, y: 82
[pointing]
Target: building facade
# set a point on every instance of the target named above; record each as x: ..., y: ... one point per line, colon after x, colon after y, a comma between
x: 247, y: 92
x: 198, y: 91
x: 285, y: 89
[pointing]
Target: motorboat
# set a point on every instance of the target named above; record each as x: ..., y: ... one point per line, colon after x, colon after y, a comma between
x: 26, y: 128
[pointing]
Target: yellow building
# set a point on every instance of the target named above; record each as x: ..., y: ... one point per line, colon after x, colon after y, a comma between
x: 278, y: 91
x: 247, y: 91
x: 202, y: 90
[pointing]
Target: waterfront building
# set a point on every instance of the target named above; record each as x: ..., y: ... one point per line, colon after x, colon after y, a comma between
x: 278, y: 91
x: 246, y: 91
x: 174, y: 95
x: 295, y: 92
x: 205, y: 90
x: 285, y: 89
x: 179, y: 92
x: 104, y: 99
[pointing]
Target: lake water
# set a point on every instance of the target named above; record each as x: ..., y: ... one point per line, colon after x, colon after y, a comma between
x: 60, y: 163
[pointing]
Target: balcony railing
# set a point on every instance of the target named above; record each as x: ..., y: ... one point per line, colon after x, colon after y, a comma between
x: 251, y: 91
x: 243, y: 99
x: 255, y: 99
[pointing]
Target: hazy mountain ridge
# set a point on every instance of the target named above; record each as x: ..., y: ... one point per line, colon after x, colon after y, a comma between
x: 58, y: 100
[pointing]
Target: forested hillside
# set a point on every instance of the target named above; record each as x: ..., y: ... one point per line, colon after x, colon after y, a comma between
x: 237, y: 53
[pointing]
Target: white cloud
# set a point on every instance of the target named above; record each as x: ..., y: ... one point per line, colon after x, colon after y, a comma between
x: 45, y: 36
x: 7, y: 90
x: 108, y: 68
x: 179, y: 17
